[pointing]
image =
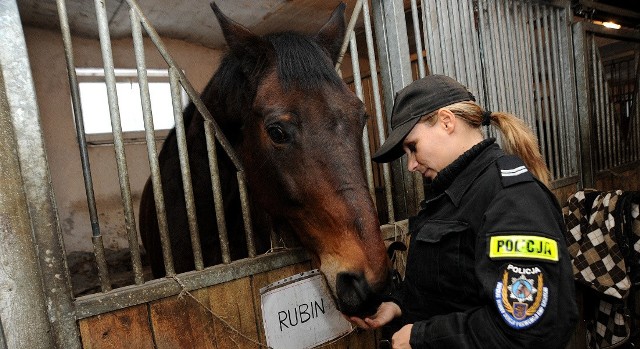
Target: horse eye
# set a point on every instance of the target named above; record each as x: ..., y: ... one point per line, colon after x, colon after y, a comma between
x: 277, y: 134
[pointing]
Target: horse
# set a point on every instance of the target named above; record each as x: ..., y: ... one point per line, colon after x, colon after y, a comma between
x: 297, y: 129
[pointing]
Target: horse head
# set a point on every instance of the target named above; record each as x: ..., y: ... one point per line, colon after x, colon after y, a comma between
x: 297, y: 129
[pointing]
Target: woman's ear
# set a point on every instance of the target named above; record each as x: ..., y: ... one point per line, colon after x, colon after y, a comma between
x: 447, y: 120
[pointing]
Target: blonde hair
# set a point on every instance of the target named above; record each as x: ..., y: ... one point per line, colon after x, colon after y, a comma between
x: 517, y: 138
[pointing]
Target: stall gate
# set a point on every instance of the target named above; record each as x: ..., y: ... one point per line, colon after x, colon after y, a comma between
x: 515, y: 56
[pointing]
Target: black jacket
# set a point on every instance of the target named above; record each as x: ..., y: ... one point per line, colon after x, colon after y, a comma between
x: 487, y: 265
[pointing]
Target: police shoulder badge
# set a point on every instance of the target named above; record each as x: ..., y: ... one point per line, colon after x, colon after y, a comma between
x: 521, y: 296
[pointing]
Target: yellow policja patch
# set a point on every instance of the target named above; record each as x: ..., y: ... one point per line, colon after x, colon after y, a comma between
x: 523, y: 246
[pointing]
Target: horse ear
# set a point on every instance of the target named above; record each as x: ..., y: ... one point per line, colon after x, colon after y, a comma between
x: 242, y: 42
x: 331, y: 34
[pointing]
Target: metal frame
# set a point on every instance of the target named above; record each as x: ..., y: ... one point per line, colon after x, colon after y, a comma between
x: 40, y: 301
x: 593, y: 107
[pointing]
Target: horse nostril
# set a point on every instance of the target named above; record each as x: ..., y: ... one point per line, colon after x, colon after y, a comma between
x: 355, y: 296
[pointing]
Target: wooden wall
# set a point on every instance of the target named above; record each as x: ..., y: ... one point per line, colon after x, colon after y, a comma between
x: 181, y: 322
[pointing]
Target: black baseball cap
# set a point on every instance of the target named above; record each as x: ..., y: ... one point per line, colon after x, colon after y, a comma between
x: 416, y: 100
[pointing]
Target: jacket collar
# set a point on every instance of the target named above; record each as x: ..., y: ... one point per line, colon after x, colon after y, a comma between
x: 472, y: 164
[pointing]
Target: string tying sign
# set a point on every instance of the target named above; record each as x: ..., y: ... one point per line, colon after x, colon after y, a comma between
x: 299, y: 312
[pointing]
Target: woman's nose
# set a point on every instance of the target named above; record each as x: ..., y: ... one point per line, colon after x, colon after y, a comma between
x: 412, y: 164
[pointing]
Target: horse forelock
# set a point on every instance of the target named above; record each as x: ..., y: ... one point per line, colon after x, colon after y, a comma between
x: 301, y: 63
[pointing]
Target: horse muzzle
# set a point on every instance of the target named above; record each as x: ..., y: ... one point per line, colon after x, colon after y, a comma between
x: 356, y: 297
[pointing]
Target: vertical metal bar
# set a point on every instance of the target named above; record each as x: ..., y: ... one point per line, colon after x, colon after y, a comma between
x: 377, y: 102
x: 544, y: 93
x: 525, y: 55
x: 23, y: 300
x: 432, y: 36
x: 466, y: 53
x: 601, y: 123
x: 509, y: 61
x: 580, y: 52
x: 393, y: 46
x: 559, y: 116
x: 185, y: 168
x: 98, y: 246
x: 472, y: 20
x: 456, y: 43
x: 217, y: 192
x: 156, y: 181
x: 553, y: 115
x: 531, y: 69
x: 505, y: 94
x: 121, y: 162
x: 357, y: 82
x: 487, y: 44
x: 3, y: 340
x: 15, y: 77
x: 416, y: 33
x: 246, y: 213
x: 569, y: 92
x: 444, y: 28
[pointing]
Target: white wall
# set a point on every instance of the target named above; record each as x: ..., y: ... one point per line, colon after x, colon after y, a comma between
x: 46, y: 54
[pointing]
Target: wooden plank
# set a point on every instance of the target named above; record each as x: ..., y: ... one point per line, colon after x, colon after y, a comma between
x: 124, y: 328
x: 213, y: 321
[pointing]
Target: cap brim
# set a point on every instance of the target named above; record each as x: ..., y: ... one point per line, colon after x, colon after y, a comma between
x: 391, y: 149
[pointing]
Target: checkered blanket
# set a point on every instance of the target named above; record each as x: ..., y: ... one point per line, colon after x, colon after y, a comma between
x: 603, y: 238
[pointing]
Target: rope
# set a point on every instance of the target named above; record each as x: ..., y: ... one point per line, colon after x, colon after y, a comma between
x: 184, y: 292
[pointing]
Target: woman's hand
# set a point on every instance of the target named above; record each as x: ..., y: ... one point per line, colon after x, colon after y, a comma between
x: 400, y: 339
x: 387, y: 311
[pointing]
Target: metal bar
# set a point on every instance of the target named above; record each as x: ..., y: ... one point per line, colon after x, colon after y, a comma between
x: 432, y: 37
x: 580, y: 50
x: 102, y: 303
x: 444, y: 27
x: 560, y: 116
x: 185, y: 168
x: 601, y: 124
x: 569, y: 97
x: 118, y: 143
x: 525, y: 55
x: 553, y: 115
x: 191, y: 92
x: 98, y: 247
x: 474, y: 34
x: 418, y: 38
x: 488, y: 32
x: 393, y: 46
x: 504, y: 92
x: 345, y: 41
x: 156, y: 181
x: 544, y: 69
x: 535, y: 27
x: 509, y: 63
x: 44, y: 225
x: 517, y: 61
x: 246, y: 213
x: 217, y: 192
x: 3, y: 340
x: 458, y: 47
x: 23, y: 305
x: 377, y: 102
x: 357, y: 83
x: 467, y: 47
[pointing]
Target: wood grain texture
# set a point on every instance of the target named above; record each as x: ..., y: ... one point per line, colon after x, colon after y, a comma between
x: 124, y: 328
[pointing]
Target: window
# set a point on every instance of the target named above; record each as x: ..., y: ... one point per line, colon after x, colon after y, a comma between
x: 95, y: 105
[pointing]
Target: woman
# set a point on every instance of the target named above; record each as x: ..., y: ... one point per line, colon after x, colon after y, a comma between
x: 487, y: 265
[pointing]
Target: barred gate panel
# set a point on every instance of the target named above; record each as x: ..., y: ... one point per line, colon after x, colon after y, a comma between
x: 515, y: 57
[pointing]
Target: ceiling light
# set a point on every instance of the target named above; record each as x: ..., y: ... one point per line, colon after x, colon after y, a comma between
x: 611, y: 25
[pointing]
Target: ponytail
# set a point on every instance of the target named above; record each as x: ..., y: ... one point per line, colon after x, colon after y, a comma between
x: 518, y: 138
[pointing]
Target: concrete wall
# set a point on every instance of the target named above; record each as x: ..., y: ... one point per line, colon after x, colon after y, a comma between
x: 48, y: 65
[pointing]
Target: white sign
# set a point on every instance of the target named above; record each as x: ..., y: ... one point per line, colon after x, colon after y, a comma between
x: 298, y: 312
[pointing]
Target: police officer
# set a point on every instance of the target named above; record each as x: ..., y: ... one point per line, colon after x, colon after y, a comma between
x: 487, y: 265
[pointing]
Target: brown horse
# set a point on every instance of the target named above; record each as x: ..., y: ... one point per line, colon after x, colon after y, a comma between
x: 297, y: 129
